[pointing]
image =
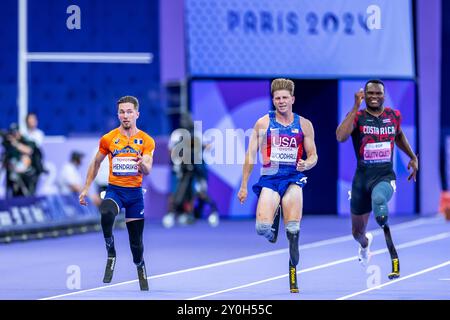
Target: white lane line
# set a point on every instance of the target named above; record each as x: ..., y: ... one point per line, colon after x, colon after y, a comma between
x: 395, y: 281
x: 400, y: 226
x: 274, y: 278
x: 330, y: 264
x: 378, y: 231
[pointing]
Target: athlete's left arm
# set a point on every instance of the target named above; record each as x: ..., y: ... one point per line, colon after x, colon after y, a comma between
x: 309, y: 145
x: 402, y: 142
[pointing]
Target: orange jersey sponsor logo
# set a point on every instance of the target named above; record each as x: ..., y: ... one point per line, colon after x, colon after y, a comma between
x: 122, y: 152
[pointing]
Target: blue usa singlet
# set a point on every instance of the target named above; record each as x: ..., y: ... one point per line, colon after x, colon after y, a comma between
x: 283, y: 146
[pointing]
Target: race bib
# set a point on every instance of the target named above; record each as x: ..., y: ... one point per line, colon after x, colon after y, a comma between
x: 283, y: 154
x: 124, y: 166
x: 377, y: 152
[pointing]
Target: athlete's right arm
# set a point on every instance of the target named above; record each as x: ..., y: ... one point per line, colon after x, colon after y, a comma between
x: 250, y: 159
x: 344, y: 130
x: 91, y: 174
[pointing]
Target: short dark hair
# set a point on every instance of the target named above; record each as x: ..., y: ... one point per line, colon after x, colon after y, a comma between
x: 130, y: 99
x: 76, y: 156
x: 376, y: 81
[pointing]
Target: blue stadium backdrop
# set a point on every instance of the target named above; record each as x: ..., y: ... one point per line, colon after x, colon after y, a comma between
x: 79, y: 98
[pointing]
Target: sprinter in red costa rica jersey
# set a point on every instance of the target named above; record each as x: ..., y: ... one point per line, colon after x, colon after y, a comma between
x: 374, y: 131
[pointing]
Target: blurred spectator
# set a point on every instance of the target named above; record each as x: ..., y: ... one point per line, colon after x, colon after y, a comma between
x: 188, y: 177
x: 200, y: 186
x: 101, y: 180
x: 169, y: 218
x: 180, y: 197
x: 32, y: 132
x: 35, y: 135
x: 70, y: 180
x: 17, y: 159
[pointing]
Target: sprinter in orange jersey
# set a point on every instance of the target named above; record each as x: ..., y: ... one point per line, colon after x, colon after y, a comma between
x: 130, y: 153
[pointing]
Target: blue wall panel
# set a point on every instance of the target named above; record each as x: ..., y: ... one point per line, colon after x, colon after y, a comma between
x: 8, y: 63
x: 79, y: 98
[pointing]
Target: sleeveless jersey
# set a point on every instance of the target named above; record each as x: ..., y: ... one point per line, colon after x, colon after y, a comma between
x: 374, y: 137
x: 283, y: 146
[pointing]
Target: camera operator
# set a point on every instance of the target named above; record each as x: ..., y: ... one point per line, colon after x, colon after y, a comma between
x: 189, y: 178
x: 17, y: 161
x: 34, y: 134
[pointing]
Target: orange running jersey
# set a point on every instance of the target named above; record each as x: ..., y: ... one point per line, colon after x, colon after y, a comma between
x: 122, y: 152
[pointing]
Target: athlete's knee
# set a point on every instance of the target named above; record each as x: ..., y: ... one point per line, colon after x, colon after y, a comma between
x: 381, y: 194
x: 109, y: 207
x: 357, y: 233
x: 379, y: 199
x: 379, y: 204
x: 264, y: 229
x: 135, y: 239
x: 293, y: 227
x: 292, y: 233
x: 135, y: 231
x: 382, y: 220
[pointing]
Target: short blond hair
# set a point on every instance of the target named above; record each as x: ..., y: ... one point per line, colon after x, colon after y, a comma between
x: 282, y: 84
x: 129, y: 99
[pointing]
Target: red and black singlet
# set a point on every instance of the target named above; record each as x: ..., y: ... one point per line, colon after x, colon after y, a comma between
x: 374, y: 137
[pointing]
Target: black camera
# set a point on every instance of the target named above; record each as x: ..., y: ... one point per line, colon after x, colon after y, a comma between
x: 3, y: 133
x: 13, y: 129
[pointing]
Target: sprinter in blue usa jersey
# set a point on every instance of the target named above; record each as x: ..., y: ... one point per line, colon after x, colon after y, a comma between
x: 282, y: 137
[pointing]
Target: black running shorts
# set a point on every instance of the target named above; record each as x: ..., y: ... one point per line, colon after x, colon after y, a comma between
x: 364, y: 180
